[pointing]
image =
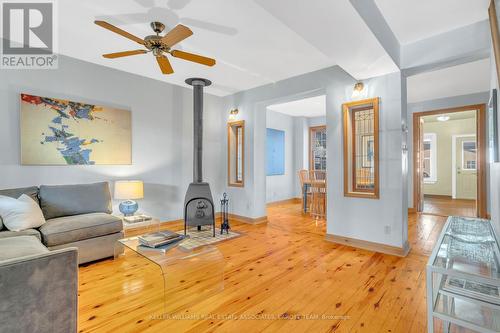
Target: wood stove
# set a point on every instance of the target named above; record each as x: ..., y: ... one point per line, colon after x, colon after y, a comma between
x: 198, y: 203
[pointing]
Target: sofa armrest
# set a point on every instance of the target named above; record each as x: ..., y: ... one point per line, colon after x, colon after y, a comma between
x: 39, y: 293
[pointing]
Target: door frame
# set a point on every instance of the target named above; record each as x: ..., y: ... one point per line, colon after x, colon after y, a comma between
x: 481, y: 153
x: 454, y: 161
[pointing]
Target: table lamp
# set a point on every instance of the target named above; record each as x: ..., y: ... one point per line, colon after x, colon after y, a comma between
x: 129, y: 190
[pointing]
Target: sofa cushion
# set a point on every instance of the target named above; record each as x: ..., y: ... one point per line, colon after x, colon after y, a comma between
x: 67, y: 200
x: 27, y: 232
x: 17, y: 192
x: 67, y: 229
x: 20, y: 214
x: 15, y: 247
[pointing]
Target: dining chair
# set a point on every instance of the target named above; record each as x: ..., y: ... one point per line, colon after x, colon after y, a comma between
x: 305, y: 181
x: 318, y: 193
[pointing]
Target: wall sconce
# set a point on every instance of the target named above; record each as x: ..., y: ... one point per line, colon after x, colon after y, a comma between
x: 233, y: 113
x: 358, y: 88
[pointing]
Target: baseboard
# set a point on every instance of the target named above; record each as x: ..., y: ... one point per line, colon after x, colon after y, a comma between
x: 370, y: 246
x: 248, y: 220
x: 284, y: 202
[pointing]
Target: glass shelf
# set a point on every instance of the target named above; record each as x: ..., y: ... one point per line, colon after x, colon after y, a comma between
x: 474, y: 315
x: 469, y: 246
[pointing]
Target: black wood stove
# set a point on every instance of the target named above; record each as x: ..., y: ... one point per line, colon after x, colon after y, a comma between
x: 198, y: 204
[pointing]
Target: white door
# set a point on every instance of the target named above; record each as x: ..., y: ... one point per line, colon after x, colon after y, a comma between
x: 466, y: 167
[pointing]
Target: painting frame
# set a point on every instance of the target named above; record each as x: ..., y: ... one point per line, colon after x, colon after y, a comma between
x: 61, y: 132
x: 495, y: 35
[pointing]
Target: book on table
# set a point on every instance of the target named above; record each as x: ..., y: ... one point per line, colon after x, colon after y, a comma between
x: 160, y: 238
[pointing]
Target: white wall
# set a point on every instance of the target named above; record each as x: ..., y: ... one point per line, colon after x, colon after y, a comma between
x: 316, y: 121
x: 162, y: 130
x: 361, y: 218
x: 282, y: 187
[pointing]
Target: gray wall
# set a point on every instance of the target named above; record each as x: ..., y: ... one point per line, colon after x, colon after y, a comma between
x: 363, y: 219
x: 437, y: 104
x: 161, y: 132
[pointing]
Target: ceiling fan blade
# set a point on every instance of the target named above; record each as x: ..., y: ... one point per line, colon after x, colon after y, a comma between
x: 165, y: 66
x: 123, y: 54
x: 177, y: 34
x: 119, y: 31
x: 193, y: 57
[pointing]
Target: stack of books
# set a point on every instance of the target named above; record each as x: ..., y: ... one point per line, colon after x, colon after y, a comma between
x: 159, y: 239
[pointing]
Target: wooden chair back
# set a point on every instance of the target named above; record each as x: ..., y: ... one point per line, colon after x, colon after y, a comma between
x: 304, y: 177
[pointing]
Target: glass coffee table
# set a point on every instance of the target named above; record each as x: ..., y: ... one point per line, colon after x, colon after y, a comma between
x: 189, y: 276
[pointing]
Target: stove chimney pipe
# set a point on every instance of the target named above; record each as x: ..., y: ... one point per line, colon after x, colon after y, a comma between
x: 198, y: 85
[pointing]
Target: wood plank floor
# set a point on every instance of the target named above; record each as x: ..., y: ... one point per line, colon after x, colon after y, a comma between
x: 447, y: 206
x: 279, y: 277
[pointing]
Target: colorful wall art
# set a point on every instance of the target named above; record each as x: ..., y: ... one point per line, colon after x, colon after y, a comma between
x: 62, y: 132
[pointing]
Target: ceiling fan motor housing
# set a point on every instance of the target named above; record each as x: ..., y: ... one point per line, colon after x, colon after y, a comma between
x: 154, y: 43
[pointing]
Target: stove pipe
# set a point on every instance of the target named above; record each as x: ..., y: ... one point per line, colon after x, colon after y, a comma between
x: 198, y: 85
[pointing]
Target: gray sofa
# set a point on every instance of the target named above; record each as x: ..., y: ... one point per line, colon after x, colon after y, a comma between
x: 38, y: 287
x: 39, y: 267
x: 76, y: 216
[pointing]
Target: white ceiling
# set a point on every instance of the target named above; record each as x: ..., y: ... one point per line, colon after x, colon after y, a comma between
x: 413, y: 20
x: 464, y: 79
x: 307, y: 107
x: 254, y: 42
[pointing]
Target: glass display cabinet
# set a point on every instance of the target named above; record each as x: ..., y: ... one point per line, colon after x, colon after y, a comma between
x: 463, y: 278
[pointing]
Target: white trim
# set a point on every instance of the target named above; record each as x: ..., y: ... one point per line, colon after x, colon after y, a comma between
x: 432, y: 137
x: 454, y: 162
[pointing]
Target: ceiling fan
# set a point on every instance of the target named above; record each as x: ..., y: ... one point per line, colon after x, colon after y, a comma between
x: 158, y: 45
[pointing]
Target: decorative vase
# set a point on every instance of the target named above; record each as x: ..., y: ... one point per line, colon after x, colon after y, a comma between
x: 128, y: 207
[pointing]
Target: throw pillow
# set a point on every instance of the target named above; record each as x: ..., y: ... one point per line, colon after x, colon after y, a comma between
x: 20, y: 214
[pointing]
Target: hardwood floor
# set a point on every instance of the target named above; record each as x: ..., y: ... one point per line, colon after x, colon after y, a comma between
x: 279, y: 277
x: 447, y: 206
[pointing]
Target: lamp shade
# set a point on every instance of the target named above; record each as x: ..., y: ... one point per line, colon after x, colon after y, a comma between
x: 129, y: 189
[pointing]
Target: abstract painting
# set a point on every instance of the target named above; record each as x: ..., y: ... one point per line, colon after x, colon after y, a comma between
x: 275, y: 158
x: 62, y: 132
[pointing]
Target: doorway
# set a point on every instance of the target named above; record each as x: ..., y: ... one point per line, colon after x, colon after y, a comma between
x: 296, y: 138
x: 449, y: 161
